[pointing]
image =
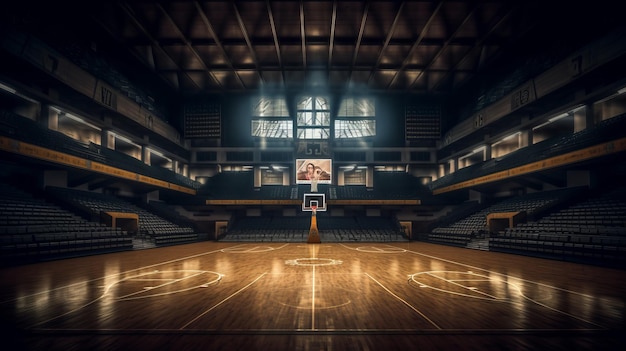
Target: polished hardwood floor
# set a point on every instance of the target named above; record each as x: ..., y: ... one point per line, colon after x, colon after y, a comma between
x: 299, y: 296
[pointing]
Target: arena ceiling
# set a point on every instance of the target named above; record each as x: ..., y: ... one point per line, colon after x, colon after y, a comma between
x: 382, y: 45
x: 394, y: 46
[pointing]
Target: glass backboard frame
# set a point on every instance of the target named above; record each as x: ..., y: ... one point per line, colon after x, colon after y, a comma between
x: 309, y: 199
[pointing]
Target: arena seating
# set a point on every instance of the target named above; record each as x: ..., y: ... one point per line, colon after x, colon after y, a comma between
x: 274, y: 192
x: 389, y: 185
x: 604, y: 131
x: 32, y: 229
x: 29, y: 131
x: 462, y: 231
x: 356, y: 192
x: 296, y: 229
x: 102, y: 69
x: 230, y: 185
x: 160, y: 230
x: 592, y: 230
x: 398, y: 185
x: 359, y: 228
x: 266, y: 228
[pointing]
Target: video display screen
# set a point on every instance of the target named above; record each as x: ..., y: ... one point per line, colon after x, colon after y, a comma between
x: 314, y: 168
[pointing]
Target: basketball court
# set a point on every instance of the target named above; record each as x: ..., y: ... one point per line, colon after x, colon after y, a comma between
x: 303, y: 296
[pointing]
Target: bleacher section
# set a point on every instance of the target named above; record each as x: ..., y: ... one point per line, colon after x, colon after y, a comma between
x: 275, y: 192
x: 461, y: 232
x: 353, y: 192
x: 32, y: 229
x: 29, y: 131
x: 296, y: 229
x: 359, y: 228
x: 398, y: 185
x: 604, y: 131
x: 592, y: 231
x: 102, y: 69
x: 239, y: 186
x: 230, y: 185
x: 160, y: 230
x: 280, y: 229
x: 389, y: 186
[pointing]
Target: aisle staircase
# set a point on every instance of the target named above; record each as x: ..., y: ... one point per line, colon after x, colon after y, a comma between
x: 478, y: 244
x: 143, y: 242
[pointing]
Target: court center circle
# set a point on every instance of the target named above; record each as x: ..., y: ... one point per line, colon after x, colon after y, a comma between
x: 313, y: 261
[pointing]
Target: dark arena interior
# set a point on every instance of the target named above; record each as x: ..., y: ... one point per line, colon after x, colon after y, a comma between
x: 312, y: 175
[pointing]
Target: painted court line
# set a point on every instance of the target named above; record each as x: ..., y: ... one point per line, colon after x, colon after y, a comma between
x: 223, y: 301
x: 168, y: 282
x: 500, y: 274
x: 404, y: 301
x: 81, y: 283
x: 454, y: 282
x: 526, y: 281
x: 313, y: 284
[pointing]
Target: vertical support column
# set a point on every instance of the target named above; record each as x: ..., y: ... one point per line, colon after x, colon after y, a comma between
x: 314, y: 234
x: 442, y: 170
x: 369, y: 177
x: 151, y: 196
x: 107, y: 139
x: 257, y: 177
x: 453, y: 165
x: 341, y: 177
x: 487, y: 154
x: 185, y: 169
x: 590, y: 116
x: 487, y: 145
x: 49, y: 117
x: 145, y: 154
x: 526, y: 137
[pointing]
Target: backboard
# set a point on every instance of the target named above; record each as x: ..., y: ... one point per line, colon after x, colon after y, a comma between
x: 316, y: 199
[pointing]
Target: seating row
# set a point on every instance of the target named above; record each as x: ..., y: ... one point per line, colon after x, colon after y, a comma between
x: 15, y: 253
x: 161, y: 230
x: 604, y: 253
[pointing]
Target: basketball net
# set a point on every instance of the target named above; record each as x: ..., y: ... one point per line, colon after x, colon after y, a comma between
x: 314, y: 210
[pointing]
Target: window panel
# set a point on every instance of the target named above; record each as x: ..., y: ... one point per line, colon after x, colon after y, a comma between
x: 305, y: 119
x: 270, y: 118
x: 321, y: 103
x: 305, y: 103
x: 322, y: 118
x: 272, y: 128
x: 357, y: 107
x: 356, y: 118
x: 313, y: 133
x: 354, y: 129
x: 270, y: 107
x: 313, y: 117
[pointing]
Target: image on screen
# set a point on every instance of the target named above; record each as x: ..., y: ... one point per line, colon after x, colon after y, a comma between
x: 315, y: 168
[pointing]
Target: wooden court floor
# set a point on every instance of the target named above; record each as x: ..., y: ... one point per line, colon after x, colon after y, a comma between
x: 298, y: 296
